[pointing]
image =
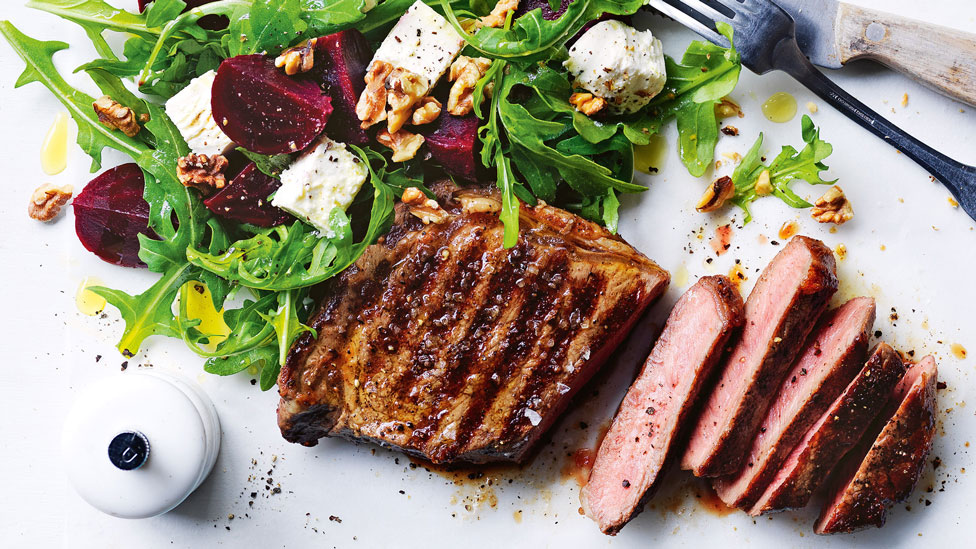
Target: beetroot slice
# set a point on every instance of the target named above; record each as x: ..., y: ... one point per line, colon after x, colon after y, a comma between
x: 110, y: 213
x: 246, y: 199
x: 340, y: 68
x: 265, y: 111
x: 451, y: 141
x: 525, y: 6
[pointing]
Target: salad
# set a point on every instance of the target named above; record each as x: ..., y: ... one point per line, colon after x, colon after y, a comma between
x: 270, y: 140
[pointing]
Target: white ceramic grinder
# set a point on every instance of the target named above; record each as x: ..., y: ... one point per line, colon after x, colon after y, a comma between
x: 138, y: 443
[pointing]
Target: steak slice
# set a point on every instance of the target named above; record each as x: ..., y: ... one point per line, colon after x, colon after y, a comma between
x: 444, y: 344
x: 634, y: 452
x: 884, y: 471
x: 832, y: 358
x: 782, y: 309
x: 836, y: 432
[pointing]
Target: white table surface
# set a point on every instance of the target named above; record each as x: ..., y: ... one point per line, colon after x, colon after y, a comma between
x: 907, y: 247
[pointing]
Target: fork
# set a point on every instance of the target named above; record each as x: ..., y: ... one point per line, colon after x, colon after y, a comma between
x: 765, y: 37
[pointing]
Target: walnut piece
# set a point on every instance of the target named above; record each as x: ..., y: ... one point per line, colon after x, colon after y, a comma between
x: 46, y: 202
x: 371, y: 108
x: 715, y: 196
x: 404, y: 144
x: 404, y: 90
x: 763, y: 185
x: 425, y: 209
x: 833, y: 207
x: 587, y: 103
x: 427, y: 111
x: 300, y: 58
x: 726, y: 108
x: 465, y: 73
x: 113, y: 115
x: 500, y: 13
x: 203, y: 173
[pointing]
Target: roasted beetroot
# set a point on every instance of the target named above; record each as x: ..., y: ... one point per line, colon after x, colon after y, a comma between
x: 211, y: 22
x: 525, y: 6
x: 340, y: 68
x: 246, y: 199
x: 265, y: 111
x: 451, y: 141
x: 110, y: 213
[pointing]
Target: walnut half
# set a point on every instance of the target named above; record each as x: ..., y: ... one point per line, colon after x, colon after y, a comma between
x: 587, y: 103
x: 203, y: 173
x: 47, y: 201
x: 425, y: 209
x: 715, y: 196
x: 300, y: 58
x: 500, y: 13
x: 371, y: 107
x: 113, y: 115
x: 404, y: 144
x: 833, y: 207
x: 465, y: 73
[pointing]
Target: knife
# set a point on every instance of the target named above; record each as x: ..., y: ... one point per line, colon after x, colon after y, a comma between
x: 831, y: 33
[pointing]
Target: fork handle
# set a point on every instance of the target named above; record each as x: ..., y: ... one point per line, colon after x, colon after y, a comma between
x: 959, y: 178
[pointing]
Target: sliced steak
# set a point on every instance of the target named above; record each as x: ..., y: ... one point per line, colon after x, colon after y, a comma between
x: 832, y: 358
x: 444, y: 344
x: 634, y: 452
x: 886, y: 473
x: 781, y: 311
x: 836, y: 432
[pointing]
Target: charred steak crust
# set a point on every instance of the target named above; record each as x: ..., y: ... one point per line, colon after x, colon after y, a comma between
x: 836, y: 432
x: 636, y: 450
x: 887, y: 472
x: 729, y: 420
x: 444, y: 344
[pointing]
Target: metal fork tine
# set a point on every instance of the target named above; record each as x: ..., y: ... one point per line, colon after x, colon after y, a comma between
x: 709, y: 11
x: 687, y: 20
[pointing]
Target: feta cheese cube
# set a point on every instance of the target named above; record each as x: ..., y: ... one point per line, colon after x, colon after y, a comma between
x: 324, y: 177
x: 618, y: 63
x: 422, y: 42
x: 190, y: 111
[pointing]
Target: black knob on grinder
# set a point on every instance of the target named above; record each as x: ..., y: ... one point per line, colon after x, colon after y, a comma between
x: 128, y: 450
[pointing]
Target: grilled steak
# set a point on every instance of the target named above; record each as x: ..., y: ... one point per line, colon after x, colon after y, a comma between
x: 634, y: 453
x: 836, y: 432
x: 832, y: 358
x: 444, y: 344
x: 781, y: 311
x: 887, y: 471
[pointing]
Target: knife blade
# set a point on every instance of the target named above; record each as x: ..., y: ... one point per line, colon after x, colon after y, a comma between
x: 815, y: 29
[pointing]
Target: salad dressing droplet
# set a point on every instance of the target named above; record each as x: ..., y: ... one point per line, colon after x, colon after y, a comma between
x: 681, y: 276
x: 958, y: 351
x: 88, y: 302
x: 650, y: 158
x: 199, y: 306
x: 54, y: 150
x: 780, y: 107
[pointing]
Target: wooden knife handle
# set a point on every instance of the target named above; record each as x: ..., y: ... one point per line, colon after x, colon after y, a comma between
x: 941, y: 58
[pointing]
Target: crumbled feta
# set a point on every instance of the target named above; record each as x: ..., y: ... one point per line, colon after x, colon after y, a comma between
x: 324, y: 177
x: 190, y: 111
x: 619, y: 63
x: 422, y: 42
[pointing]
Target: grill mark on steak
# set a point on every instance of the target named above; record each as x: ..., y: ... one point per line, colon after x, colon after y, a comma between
x: 433, y: 395
x: 883, y: 470
x: 641, y: 440
x: 836, y: 432
x: 833, y: 355
x: 781, y: 310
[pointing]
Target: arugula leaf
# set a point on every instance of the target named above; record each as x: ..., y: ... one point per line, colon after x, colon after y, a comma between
x: 325, y: 17
x: 93, y: 137
x: 705, y: 75
x: 270, y: 25
x: 533, y: 38
x: 289, y: 257
x: 271, y: 166
x: 285, y: 322
x: 787, y: 167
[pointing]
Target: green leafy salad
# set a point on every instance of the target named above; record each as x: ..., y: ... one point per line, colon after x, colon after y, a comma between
x: 533, y: 140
